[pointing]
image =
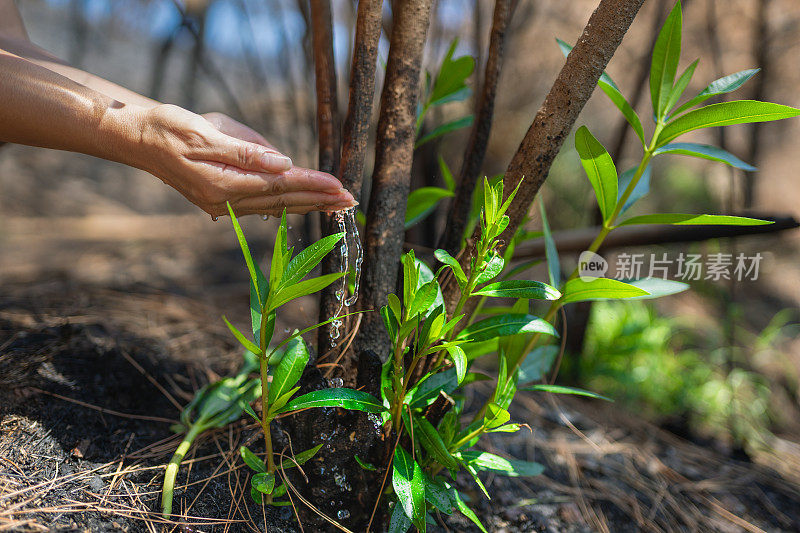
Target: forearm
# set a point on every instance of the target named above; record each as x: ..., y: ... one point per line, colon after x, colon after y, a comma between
x: 39, y: 107
x: 25, y: 49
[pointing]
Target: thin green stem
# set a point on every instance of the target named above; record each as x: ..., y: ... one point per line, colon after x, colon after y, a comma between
x: 174, y: 465
x: 265, y: 420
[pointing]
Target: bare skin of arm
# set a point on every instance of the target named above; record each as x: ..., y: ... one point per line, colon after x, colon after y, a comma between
x: 211, y: 159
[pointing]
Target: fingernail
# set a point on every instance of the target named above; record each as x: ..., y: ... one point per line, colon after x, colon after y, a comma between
x: 276, y: 161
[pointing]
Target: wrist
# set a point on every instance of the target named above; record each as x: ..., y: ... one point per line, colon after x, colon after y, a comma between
x: 123, y: 132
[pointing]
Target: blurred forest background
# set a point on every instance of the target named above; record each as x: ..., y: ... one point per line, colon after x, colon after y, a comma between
x: 718, y: 362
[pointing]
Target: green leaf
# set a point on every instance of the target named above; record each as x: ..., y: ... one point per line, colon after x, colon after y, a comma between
x: 458, y: 501
x: 252, y: 460
x: 258, y: 295
x: 248, y: 259
x: 447, y: 175
x: 640, y: 190
x: 517, y: 288
x: 500, y: 465
x: 283, y: 399
x: 559, y: 389
x: 425, y: 275
x: 553, y: 262
x: 657, y: 287
x: 599, y: 168
x: 537, y: 363
x: 725, y: 114
x: 408, y: 482
x: 723, y: 85
x: 436, y: 495
x: 422, y: 202
x: 581, y: 290
x: 447, y: 127
x: 474, y: 473
x: 423, y: 299
x: 680, y: 86
x: 625, y: 108
x: 493, y: 269
x: 305, y: 261
x: 459, y: 360
x: 278, y: 254
x: 452, y: 75
x: 444, y: 257
x: 510, y: 324
x: 399, y: 522
x: 263, y: 482
x: 247, y: 343
x: 433, y: 443
x: 428, y: 389
x: 365, y: 465
x: 338, y: 397
x: 495, y: 416
x: 289, y: 370
x: 681, y: 219
x: 301, y: 458
x: 389, y: 322
x: 664, y: 65
x: 303, y: 288
x: 705, y: 151
x: 506, y: 428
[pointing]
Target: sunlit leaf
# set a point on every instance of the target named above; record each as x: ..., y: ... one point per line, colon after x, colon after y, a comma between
x: 289, y: 370
x: 510, y: 324
x: 517, y: 288
x: 337, y: 397
x: 500, y: 465
x: 580, y: 290
x: 705, y: 151
x: 559, y: 389
x: 408, y: 482
x: 600, y: 170
x: 422, y: 202
x: 664, y: 65
x: 723, y: 85
x: 682, y: 219
x: 725, y: 114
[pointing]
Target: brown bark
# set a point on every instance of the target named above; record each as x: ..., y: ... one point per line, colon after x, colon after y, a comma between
x: 328, y: 136
x: 763, y: 59
x: 354, y: 139
x: 559, y: 111
x: 394, y: 151
x: 479, y: 138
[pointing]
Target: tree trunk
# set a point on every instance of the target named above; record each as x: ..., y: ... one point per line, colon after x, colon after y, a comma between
x: 354, y: 146
x: 390, y: 180
x: 479, y: 138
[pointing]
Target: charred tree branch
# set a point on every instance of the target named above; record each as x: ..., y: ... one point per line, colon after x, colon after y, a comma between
x: 392, y: 175
x: 329, y: 141
x: 479, y: 138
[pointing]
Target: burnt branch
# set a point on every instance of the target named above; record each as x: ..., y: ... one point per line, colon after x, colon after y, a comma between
x: 354, y: 140
x: 559, y: 111
x: 328, y: 135
x: 394, y: 151
x: 479, y: 138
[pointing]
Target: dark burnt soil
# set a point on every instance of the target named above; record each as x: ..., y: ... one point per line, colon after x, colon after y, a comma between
x: 88, y: 386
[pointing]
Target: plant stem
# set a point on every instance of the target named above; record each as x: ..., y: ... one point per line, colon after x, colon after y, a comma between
x: 264, y: 366
x: 172, y: 468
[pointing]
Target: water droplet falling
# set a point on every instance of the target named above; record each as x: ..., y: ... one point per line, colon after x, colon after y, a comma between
x: 344, y: 219
x: 214, y: 218
x: 351, y: 218
x: 264, y: 217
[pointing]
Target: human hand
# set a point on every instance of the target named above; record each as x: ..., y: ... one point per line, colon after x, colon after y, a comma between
x: 213, y: 159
